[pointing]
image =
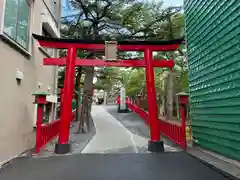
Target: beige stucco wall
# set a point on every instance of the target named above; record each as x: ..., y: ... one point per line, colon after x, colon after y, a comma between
x: 16, y: 102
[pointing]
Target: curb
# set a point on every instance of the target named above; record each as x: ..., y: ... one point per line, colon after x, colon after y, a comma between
x: 222, y: 172
x: 26, y: 153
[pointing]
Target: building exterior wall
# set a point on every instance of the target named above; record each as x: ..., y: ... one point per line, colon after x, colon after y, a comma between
x: 54, y: 7
x: 17, y: 109
x: 212, y: 28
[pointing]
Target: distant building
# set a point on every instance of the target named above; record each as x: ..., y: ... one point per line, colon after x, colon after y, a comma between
x: 22, y: 57
x: 212, y: 29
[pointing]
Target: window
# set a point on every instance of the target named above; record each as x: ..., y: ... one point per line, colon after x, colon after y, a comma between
x: 16, y: 21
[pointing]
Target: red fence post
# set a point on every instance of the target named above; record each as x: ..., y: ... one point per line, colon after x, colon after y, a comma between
x: 155, y: 145
x: 63, y: 145
x: 183, y: 101
x: 40, y: 100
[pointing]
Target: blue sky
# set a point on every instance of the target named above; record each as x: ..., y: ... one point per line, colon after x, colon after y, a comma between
x: 166, y: 3
x: 173, y: 2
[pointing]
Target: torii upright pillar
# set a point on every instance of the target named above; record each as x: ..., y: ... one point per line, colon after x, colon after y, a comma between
x: 154, y: 144
x: 63, y: 146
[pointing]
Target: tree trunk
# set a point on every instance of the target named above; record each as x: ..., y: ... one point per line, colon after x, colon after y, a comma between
x: 81, y: 127
x: 105, y: 97
x: 78, y: 94
x: 88, y: 91
x: 170, y: 96
x: 88, y: 87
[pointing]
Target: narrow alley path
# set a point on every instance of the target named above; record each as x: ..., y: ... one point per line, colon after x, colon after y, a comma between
x: 111, y: 136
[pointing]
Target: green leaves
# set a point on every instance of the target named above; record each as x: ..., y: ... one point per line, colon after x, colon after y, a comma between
x: 128, y: 19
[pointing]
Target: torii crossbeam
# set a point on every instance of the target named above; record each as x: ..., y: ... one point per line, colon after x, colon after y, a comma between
x: 70, y: 61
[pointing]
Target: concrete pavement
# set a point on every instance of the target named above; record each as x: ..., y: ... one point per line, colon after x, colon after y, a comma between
x: 113, y: 137
x: 137, y: 126
x: 114, y: 153
x: 163, y: 166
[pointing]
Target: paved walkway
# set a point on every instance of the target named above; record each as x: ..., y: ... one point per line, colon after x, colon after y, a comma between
x: 113, y: 137
x: 136, y: 125
x: 114, y: 153
x: 163, y: 166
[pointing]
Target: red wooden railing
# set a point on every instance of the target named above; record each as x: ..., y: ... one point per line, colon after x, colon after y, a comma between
x: 173, y: 131
x: 134, y: 107
x: 47, y: 132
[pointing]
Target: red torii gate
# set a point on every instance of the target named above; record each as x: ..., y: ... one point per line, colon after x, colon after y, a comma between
x: 63, y: 146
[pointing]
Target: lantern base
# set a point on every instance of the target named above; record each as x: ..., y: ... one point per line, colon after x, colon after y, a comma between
x: 155, y: 146
x: 62, y: 148
x: 123, y: 110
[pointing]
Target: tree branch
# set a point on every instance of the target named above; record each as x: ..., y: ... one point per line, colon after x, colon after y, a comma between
x: 105, y: 9
x: 86, y: 11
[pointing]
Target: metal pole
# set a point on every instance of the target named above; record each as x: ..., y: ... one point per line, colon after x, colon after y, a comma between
x: 155, y: 144
x: 63, y: 145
